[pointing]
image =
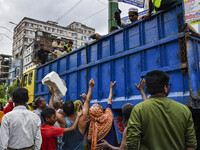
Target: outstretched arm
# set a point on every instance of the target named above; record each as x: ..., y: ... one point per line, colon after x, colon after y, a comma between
x: 111, y: 92
x: 87, y: 100
x: 151, y: 7
x: 73, y: 127
x: 140, y: 87
x: 60, y: 118
x: 51, y: 99
x: 105, y: 144
x: 95, y: 36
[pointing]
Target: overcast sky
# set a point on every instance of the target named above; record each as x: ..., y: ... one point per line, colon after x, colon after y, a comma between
x: 44, y: 10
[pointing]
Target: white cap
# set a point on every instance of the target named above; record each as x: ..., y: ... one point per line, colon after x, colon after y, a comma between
x: 133, y: 10
x: 58, y: 38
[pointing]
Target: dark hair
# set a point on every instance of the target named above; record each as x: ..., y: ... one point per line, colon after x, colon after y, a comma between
x: 41, y: 45
x: 38, y: 101
x: 20, y: 96
x: 47, y: 113
x: 70, y: 42
x: 68, y: 107
x: 126, y: 110
x: 113, y: 28
x: 1, y: 106
x: 155, y: 81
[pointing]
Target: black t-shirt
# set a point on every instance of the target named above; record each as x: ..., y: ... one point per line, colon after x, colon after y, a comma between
x: 42, y: 53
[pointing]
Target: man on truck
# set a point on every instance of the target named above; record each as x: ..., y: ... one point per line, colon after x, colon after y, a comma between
x: 159, y: 122
x: 132, y: 14
x: 58, y: 47
x: 68, y: 47
x: 159, y: 5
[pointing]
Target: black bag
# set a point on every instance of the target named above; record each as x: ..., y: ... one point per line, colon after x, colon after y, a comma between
x: 117, y: 16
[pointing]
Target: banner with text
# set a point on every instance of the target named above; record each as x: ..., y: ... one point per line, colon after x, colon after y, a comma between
x: 192, y: 11
x: 138, y: 3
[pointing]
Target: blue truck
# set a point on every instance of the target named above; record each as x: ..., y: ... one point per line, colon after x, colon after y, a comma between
x: 125, y: 56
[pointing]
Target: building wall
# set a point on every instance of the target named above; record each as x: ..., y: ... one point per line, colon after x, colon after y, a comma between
x: 4, y: 68
x: 24, y: 35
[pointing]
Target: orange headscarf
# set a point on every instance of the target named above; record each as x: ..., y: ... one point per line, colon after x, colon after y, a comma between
x: 100, y: 125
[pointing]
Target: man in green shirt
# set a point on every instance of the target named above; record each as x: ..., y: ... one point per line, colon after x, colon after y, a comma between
x: 160, y: 123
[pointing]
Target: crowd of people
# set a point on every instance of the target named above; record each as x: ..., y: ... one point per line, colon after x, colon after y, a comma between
x: 156, y: 123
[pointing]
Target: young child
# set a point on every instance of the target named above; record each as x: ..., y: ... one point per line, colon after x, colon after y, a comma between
x: 49, y: 132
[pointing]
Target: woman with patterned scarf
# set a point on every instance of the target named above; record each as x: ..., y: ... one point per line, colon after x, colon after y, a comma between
x: 101, y: 123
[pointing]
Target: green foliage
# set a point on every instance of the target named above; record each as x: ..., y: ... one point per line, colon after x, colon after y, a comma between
x: 11, y: 88
x: 4, y: 101
x: 2, y: 91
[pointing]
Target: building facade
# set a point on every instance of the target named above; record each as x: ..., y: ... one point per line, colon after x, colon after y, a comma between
x: 25, y: 33
x: 4, y: 68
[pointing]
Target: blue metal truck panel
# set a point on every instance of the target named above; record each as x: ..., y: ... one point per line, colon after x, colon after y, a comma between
x: 193, y: 53
x: 125, y: 56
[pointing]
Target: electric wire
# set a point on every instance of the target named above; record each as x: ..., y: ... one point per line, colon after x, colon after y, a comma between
x: 102, y: 2
x: 93, y: 14
x: 6, y: 29
x: 60, y: 18
x: 6, y: 36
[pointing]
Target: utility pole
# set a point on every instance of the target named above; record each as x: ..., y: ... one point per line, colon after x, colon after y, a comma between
x: 112, y: 6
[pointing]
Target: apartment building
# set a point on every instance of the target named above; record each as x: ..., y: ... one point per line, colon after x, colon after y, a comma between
x: 25, y: 33
x: 4, y: 68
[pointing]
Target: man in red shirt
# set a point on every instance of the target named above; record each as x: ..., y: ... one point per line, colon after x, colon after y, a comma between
x: 49, y: 132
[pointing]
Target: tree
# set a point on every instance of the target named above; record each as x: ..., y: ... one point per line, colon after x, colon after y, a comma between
x: 11, y: 88
x: 2, y: 91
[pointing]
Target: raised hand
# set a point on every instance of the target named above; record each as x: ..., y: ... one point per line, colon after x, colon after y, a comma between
x: 51, y: 91
x: 141, y: 84
x: 91, y: 83
x: 112, y: 84
x: 84, y: 96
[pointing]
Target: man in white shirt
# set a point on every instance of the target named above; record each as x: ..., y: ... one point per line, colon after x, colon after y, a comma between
x: 20, y: 128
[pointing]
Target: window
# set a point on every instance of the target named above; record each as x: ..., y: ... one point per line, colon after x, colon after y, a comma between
x: 26, y: 24
x: 25, y: 80
x: 30, y: 25
x: 45, y: 28
x: 61, y: 31
x: 53, y: 30
x: 25, y: 40
x: 49, y: 29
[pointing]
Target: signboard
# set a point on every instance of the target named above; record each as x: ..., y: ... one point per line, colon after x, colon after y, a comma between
x: 192, y: 11
x: 138, y: 3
